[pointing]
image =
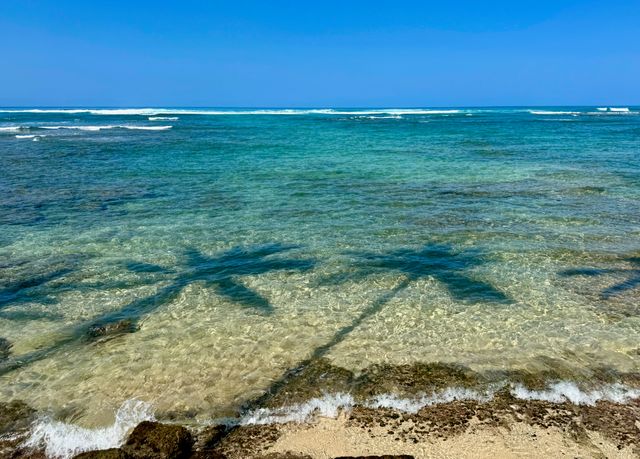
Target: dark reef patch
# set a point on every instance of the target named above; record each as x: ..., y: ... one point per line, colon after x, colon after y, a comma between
x: 5, y: 348
x: 15, y: 419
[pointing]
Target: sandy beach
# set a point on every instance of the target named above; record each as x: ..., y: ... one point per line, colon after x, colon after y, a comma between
x: 505, y: 427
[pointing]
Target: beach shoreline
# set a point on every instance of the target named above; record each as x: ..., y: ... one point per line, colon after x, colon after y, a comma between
x: 505, y: 427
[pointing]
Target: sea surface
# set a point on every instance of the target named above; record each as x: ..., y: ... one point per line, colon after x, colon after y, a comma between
x: 187, y: 259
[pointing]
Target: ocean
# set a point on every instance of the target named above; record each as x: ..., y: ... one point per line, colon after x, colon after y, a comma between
x: 186, y: 262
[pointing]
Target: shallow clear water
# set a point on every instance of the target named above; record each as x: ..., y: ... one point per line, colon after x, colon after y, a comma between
x: 241, y: 244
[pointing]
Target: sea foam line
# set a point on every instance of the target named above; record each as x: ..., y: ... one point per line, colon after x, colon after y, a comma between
x: 87, y: 127
x: 599, y: 111
x: 153, y: 112
x: 331, y: 404
x: 100, y: 128
x: 550, y: 112
x: 63, y: 440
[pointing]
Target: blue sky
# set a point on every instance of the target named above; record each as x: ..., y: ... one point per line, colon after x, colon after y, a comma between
x: 321, y: 54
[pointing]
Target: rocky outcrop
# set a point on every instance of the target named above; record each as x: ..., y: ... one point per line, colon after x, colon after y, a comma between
x: 113, y: 453
x: 161, y: 441
x: 99, y: 332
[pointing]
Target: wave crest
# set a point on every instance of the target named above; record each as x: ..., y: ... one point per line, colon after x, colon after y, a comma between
x: 158, y: 112
x: 62, y: 440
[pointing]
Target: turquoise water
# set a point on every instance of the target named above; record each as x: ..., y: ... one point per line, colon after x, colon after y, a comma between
x: 235, y: 244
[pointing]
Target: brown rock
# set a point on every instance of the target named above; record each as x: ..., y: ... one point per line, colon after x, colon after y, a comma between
x: 211, y: 436
x: 15, y: 416
x: 158, y: 441
x: 110, y: 330
x: 113, y: 453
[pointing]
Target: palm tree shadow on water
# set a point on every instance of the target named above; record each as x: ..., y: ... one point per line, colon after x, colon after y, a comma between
x: 439, y: 261
x: 222, y: 273
x: 631, y: 282
x: 33, y: 281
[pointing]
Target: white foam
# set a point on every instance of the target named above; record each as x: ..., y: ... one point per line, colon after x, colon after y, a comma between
x: 104, y: 127
x: 331, y: 405
x: 10, y: 128
x: 328, y: 406
x: 549, y: 112
x: 602, y: 109
x: 379, y: 117
x: 567, y: 391
x: 26, y: 136
x: 414, y: 405
x: 62, y: 440
x: 153, y: 112
x: 619, y: 110
x: 163, y: 118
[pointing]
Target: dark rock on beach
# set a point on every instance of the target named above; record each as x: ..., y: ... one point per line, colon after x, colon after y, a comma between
x: 149, y: 440
x: 210, y: 437
x: 15, y: 416
x: 113, y: 453
x: 15, y: 419
x: 156, y: 440
x: 244, y: 441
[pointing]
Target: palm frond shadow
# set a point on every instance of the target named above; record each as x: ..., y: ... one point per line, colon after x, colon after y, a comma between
x: 433, y: 260
x: 222, y: 273
x: 37, y: 284
x: 631, y: 282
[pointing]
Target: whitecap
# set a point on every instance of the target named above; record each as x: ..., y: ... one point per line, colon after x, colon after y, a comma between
x: 163, y: 118
x: 549, y: 112
x: 568, y: 391
x: 414, y: 405
x: 62, y: 440
x: 379, y: 117
x: 104, y: 127
x: 327, y: 406
x: 26, y: 136
x: 152, y: 112
x: 331, y: 404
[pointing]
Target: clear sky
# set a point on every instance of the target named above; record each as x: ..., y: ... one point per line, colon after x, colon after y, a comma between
x: 319, y: 53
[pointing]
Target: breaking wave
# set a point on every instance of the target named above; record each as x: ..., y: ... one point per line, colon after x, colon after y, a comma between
x: 156, y: 112
x: 85, y: 128
x: 569, y: 392
x: 100, y: 128
x: 63, y: 440
x: 550, y: 112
